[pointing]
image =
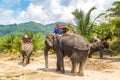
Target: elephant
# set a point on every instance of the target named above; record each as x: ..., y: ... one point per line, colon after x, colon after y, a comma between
x: 100, y: 46
x: 74, y: 46
x: 26, y: 50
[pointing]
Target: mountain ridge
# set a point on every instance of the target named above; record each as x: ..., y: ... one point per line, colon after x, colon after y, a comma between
x: 27, y: 26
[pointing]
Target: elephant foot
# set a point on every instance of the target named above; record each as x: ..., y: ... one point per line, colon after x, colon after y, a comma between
x: 60, y: 71
x: 46, y: 67
x: 89, y: 56
x: 80, y: 74
x: 73, y: 74
x: 24, y: 65
x: 101, y: 57
x: 57, y: 70
x: 110, y: 55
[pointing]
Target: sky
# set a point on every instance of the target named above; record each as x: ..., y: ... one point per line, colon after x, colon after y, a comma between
x: 47, y: 11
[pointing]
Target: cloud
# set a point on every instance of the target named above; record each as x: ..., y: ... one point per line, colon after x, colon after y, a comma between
x: 6, y: 16
x: 49, y: 11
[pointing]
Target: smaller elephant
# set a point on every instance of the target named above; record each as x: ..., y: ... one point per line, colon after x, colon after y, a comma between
x: 100, y: 46
x: 26, y: 50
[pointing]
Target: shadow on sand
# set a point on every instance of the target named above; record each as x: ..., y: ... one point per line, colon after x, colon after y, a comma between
x: 67, y: 72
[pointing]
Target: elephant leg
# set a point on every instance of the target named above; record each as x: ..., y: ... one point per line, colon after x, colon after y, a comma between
x: 81, y: 67
x: 60, y: 63
x: 24, y: 60
x: 28, y: 58
x: 90, y: 55
x: 23, y: 57
x: 101, y: 53
x: 73, y: 70
x: 110, y: 51
x: 58, y: 66
x: 74, y: 63
x: 22, y: 53
x: 62, y: 66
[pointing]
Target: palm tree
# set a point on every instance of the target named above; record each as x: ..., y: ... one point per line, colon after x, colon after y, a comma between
x: 71, y: 27
x: 8, y: 43
x: 82, y: 20
x: 84, y: 24
x: 114, y: 11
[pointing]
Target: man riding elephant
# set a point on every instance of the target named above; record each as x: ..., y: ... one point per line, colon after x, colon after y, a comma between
x: 74, y: 46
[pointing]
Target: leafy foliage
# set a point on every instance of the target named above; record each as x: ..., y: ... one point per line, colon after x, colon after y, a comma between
x: 9, y: 44
x: 114, y: 11
x: 84, y: 23
x: 12, y: 43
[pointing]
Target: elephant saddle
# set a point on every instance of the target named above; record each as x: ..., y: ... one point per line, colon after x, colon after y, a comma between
x: 26, y: 40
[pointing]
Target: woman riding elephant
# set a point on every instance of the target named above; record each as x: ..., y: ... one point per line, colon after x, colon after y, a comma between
x: 74, y: 46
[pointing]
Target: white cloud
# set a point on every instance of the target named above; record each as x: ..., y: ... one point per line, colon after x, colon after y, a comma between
x: 48, y: 11
x: 7, y: 13
x: 6, y: 16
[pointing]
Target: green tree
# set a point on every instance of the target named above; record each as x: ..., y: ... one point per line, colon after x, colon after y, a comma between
x: 71, y: 27
x: 114, y: 11
x: 8, y: 43
x: 116, y: 26
x: 84, y: 24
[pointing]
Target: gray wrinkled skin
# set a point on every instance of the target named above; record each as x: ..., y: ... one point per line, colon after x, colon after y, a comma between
x: 100, y: 48
x: 74, y: 46
x: 26, y: 50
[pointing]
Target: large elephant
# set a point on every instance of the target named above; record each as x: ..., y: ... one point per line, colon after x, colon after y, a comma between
x: 74, y: 46
x: 100, y: 46
x: 26, y: 50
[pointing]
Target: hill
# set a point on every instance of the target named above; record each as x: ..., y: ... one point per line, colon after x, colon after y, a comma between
x: 28, y: 26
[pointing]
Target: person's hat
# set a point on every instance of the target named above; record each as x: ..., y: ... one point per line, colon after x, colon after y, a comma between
x: 25, y: 35
x: 57, y: 24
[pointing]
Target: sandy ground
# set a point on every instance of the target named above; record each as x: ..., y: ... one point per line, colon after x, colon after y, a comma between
x: 95, y: 69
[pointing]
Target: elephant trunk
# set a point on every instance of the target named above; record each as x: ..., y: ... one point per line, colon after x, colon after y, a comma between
x: 46, y: 56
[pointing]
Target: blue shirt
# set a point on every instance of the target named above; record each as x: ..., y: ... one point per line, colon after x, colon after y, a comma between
x: 57, y: 31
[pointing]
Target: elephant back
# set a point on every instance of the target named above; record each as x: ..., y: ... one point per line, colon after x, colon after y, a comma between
x: 81, y: 43
x: 77, y: 41
x: 27, y: 47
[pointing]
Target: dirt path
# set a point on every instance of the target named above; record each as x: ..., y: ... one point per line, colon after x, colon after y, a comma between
x: 96, y: 69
